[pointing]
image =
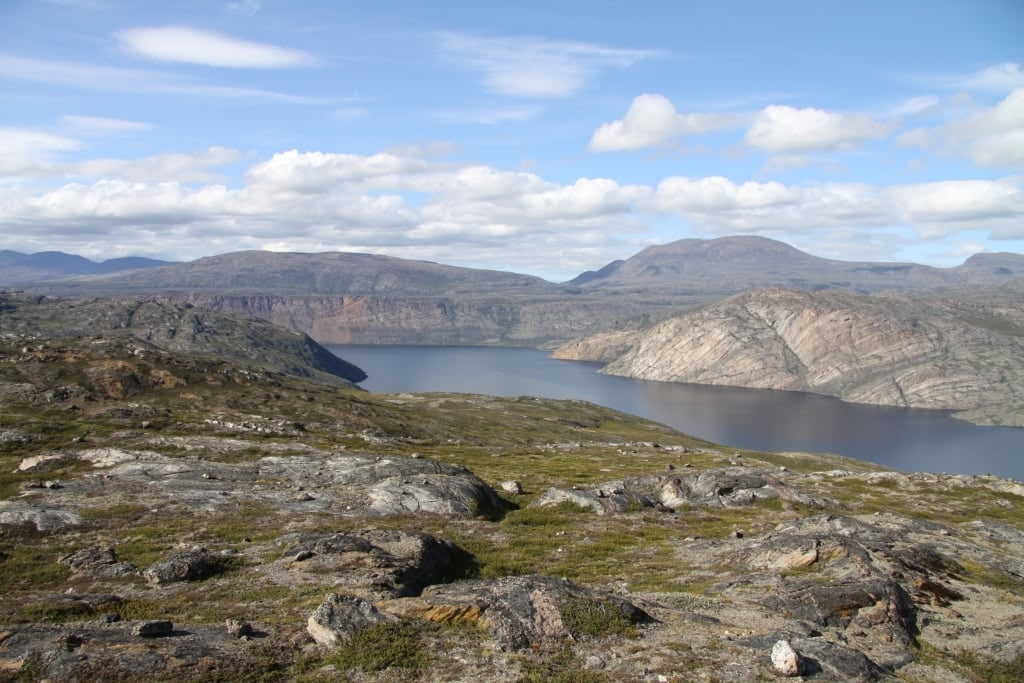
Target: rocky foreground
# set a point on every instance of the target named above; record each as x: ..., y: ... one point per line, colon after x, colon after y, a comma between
x: 233, y: 524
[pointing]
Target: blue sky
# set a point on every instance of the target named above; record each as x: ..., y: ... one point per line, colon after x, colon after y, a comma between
x: 539, y: 137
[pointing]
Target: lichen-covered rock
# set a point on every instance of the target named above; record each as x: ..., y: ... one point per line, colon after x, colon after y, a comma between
x: 339, y: 616
x: 729, y: 487
x: 98, y: 562
x: 153, y: 628
x: 517, y: 611
x: 191, y: 565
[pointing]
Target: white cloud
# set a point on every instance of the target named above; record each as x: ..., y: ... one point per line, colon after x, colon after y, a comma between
x: 98, y: 125
x: 916, y: 105
x: 652, y: 120
x: 535, y: 67
x: 84, y: 76
x: 720, y: 204
x: 998, y: 78
x: 957, y: 201
x: 933, y: 209
x: 26, y: 142
x: 995, y: 137
x: 488, y: 116
x: 170, y: 167
x: 192, y: 46
x: 780, y: 128
x: 245, y: 8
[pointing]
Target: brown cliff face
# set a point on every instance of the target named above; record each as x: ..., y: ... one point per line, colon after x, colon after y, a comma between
x: 462, y: 319
x: 881, y: 350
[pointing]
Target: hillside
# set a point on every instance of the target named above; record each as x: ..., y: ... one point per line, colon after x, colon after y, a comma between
x: 176, y: 328
x: 887, y: 350
x: 216, y: 523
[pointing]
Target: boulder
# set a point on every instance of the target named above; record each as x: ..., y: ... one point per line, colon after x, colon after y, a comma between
x: 786, y: 660
x: 191, y: 565
x: 339, y: 616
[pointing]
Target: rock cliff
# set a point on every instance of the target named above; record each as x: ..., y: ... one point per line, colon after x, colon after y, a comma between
x: 887, y: 350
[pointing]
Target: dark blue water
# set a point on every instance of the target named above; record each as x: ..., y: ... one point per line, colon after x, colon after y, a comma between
x: 759, y: 419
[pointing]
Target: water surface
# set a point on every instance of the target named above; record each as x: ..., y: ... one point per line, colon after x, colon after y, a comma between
x: 759, y: 419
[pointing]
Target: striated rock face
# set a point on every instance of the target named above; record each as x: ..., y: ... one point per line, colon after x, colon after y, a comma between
x: 882, y: 350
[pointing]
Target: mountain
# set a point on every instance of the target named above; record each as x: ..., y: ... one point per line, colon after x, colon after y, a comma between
x: 341, y: 298
x: 18, y: 269
x: 889, y: 350
x: 728, y: 265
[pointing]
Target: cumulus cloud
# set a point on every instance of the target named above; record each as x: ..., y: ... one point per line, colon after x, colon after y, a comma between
x: 784, y: 129
x: 193, y: 46
x: 410, y: 203
x: 652, y: 120
x: 535, y: 67
x: 957, y: 201
x: 933, y: 209
x: 726, y: 206
x: 995, y: 137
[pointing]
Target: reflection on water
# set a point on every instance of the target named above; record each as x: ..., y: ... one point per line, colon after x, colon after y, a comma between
x: 910, y: 440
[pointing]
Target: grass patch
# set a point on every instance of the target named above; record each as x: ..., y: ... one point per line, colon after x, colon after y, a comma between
x: 560, y: 666
x: 398, y: 645
x: 583, y: 617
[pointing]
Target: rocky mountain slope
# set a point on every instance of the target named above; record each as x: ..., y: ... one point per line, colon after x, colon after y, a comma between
x: 176, y: 327
x: 887, y: 350
x: 224, y: 524
x: 340, y: 298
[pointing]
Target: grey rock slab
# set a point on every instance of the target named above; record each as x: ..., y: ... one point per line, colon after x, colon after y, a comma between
x: 42, y: 517
x: 517, y: 611
x: 373, y: 564
x: 98, y: 562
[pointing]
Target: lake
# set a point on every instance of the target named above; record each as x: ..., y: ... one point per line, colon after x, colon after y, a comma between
x: 756, y: 419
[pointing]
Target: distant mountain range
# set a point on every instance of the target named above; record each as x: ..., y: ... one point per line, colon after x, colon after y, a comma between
x: 362, y: 298
x: 734, y: 264
x: 44, y: 266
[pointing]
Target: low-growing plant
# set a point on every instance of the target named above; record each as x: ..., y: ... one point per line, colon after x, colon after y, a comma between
x: 384, y: 646
x: 560, y: 666
x: 585, y: 617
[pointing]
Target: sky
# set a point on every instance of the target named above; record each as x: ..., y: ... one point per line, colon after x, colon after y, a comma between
x: 545, y: 138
